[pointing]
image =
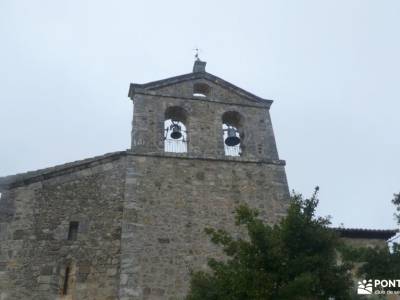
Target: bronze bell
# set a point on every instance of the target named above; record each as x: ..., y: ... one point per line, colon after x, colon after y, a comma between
x: 232, y: 139
x: 176, y: 131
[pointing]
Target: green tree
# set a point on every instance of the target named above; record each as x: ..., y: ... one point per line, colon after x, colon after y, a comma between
x: 294, y: 259
x: 396, y: 202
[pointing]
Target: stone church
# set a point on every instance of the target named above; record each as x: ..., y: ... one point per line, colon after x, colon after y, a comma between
x: 130, y: 224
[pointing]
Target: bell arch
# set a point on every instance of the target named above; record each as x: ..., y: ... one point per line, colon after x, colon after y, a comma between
x: 175, y: 130
x: 232, y: 124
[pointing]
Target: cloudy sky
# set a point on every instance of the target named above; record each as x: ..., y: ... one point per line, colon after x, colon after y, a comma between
x: 332, y: 68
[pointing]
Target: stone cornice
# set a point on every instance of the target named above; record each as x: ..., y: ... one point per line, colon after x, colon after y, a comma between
x: 145, y: 92
x: 229, y: 159
x: 22, y: 179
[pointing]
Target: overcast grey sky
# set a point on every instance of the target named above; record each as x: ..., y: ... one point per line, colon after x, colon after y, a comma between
x: 332, y: 68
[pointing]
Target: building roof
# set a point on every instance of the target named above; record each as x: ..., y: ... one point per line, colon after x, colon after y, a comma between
x: 198, y: 73
x: 360, y: 233
x: 42, y: 174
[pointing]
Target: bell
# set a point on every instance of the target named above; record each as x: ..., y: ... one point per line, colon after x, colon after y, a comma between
x: 232, y: 139
x: 176, y: 131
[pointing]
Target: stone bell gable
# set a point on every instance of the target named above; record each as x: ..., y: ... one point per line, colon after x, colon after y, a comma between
x: 205, y: 102
x: 200, y: 147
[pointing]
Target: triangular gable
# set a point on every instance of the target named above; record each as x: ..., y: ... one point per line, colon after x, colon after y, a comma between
x: 160, y: 84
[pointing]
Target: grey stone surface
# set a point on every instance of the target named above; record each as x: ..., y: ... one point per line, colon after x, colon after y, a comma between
x: 36, y: 250
x: 141, y: 212
x: 165, y: 238
x: 199, y: 66
x: 204, y: 122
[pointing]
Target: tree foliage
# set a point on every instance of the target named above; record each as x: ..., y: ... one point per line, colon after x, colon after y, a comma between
x: 294, y: 259
x: 396, y: 202
x: 379, y: 263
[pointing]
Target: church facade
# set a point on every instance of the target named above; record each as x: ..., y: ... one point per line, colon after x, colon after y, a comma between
x: 130, y: 224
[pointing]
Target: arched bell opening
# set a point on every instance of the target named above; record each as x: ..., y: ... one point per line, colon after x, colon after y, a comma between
x: 232, y: 136
x: 175, y: 131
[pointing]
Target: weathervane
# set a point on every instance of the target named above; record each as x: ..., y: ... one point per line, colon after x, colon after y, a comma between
x: 196, y: 56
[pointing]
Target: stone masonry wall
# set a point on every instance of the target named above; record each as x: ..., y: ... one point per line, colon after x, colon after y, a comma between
x: 217, y: 93
x: 204, y: 123
x: 168, y: 203
x: 34, y: 223
x: 171, y: 197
